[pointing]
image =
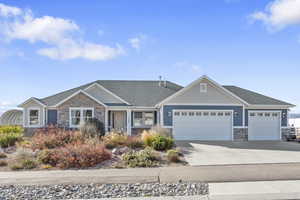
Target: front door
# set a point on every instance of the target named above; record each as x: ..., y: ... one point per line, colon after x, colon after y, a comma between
x: 119, y: 120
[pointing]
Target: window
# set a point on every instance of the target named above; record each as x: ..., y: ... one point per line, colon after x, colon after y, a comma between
x: 191, y: 113
x: 220, y: 114
x: 227, y: 113
x: 267, y: 114
x: 203, y: 87
x: 260, y: 114
x: 212, y: 114
x: 274, y: 114
x: 252, y: 114
x: 184, y: 114
x: 177, y: 113
x: 80, y: 115
x: 198, y: 113
x: 206, y: 113
x: 143, y: 119
x: 34, y: 117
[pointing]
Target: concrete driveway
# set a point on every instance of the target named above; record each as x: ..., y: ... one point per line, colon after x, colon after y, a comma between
x: 228, y: 153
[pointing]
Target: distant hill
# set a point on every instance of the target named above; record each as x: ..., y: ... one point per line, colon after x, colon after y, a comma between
x: 294, y: 115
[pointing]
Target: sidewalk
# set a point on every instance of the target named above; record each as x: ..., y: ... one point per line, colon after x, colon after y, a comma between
x: 226, y: 173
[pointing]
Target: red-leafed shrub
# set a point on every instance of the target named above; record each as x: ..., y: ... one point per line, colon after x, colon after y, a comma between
x: 76, y: 155
x: 51, y: 138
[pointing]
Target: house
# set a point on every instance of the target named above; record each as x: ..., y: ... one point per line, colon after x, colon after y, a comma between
x: 203, y: 110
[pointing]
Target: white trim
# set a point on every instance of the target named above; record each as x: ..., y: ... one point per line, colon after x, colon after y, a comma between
x: 268, y: 106
x: 39, y: 117
x: 129, y: 121
x: 201, y: 110
x: 76, y: 93
x: 198, y: 81
x: 81, y: 115
x: 268, y: 111
x: 32, y: 99
x: 108, y: 91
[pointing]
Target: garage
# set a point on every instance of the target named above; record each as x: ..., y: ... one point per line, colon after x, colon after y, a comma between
x: 202, y: 125
x: 264, y: 125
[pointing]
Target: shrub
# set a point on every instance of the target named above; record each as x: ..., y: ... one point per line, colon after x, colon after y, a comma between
x: 173, y: 155
x: 144, y: 158
x: 115, y: 139
x: 92, y: 128
x: 24, y: 159
x: 46, y: 166
x: 11, y: 129
x: 75, y: 156
x: 9, y: 139
x: 3, y: 155
x: 47, y: 156
x: 54, y: 137
x: 28, y: 164
x: 3, y: 163
x: 134, y: 142
x: 161, y: 131
x: 162, y: 143
x: 148, y: 137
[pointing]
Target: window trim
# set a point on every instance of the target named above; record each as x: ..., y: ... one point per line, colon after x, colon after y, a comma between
x: 39, y: 116
x: 81, y: 115
x: 143, y: 119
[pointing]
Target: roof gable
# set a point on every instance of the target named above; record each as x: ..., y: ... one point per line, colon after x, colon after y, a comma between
x: 216, y: 94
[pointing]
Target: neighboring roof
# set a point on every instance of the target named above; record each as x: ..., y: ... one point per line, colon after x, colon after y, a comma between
x: 254, y: 98
x: 137, y: 93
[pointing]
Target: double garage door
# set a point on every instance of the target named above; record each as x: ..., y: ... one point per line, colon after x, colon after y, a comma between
x: 202, y: 125
x: 218, y: 125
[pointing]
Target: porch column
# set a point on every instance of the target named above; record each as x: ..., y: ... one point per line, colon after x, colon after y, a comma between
x: 129, y: 122
x: 106, y: 120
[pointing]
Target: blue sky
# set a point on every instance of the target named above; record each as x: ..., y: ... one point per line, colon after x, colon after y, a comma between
x: 49, y: 46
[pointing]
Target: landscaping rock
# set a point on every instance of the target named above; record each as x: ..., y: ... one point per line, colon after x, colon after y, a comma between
x: 120, y: 150
x: 91, y: 191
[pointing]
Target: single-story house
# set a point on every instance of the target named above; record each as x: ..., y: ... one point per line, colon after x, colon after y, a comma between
x: 203, y: 110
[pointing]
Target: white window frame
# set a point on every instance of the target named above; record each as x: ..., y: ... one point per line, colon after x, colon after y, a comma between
x: 143, y: 119
x: 203, y: 87
x: 81, y: 115
x: 39, y: 116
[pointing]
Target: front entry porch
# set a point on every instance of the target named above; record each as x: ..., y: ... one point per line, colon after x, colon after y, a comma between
x: 119, y: 120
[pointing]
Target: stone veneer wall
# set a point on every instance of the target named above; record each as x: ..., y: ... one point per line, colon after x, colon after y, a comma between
x: 79, y: 100
x: 285, y: 132
x: 240, y: 134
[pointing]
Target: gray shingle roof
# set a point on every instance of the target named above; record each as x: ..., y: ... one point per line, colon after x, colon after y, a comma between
x: 137, y: 93
x: 149, y: 93
x: 253, y: 97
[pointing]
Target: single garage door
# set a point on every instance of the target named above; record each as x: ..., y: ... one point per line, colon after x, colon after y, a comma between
x: 202, y: 125
x: 264, y: 126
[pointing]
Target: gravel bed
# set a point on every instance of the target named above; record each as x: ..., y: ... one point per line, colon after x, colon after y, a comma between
x: 91, y: 191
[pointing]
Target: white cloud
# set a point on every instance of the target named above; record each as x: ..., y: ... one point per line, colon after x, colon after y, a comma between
x: 279, y: 14
x: 84, y: 50
x: 7, y: 11
x: 59, y: 34
x: 136, y: 42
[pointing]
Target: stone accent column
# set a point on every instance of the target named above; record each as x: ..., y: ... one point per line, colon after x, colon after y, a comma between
x: 240, y: 134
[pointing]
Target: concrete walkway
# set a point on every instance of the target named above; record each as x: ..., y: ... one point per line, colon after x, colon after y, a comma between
x: 226, y: 173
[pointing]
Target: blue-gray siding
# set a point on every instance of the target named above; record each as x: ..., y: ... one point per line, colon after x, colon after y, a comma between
x: 283, y: 116
x: 168, y: 112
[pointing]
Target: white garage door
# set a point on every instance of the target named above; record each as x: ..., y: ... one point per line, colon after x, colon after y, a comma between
x: 264, y: 126
x: 202, y: 125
